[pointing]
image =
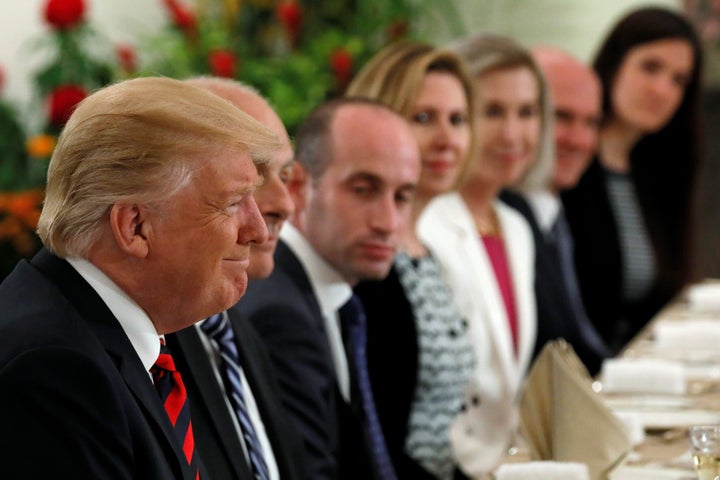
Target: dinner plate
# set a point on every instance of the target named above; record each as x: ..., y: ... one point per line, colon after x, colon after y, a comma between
x: 646, y: 402
x: 651, y: 420
x: 651, y: 473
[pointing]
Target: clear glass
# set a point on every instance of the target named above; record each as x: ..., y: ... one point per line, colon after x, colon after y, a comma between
x: 705, y: 449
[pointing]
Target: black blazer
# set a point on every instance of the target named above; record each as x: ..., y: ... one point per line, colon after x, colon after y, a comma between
x: 216, y: 439
x: 555, y: 315
x: 285, y: 312
x: 598, y: 262
x: 76, y: 401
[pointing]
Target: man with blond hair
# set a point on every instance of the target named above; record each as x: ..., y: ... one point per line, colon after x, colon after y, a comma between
x: 147, y: 225
x: 224, y: 432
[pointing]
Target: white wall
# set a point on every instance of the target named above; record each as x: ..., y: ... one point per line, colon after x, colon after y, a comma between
x: 576, y: 25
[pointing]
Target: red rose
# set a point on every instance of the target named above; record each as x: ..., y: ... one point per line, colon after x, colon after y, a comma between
x: 222, y: 63
x: 64, y: 14
x: 126, y: 57
x: 183, y: 17
x: 290, y: 15
x: 63, y: 101
x: 341, y: 64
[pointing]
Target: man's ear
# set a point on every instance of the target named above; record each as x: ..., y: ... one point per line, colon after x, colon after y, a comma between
x: 130, y: 229
x: 298, y: 186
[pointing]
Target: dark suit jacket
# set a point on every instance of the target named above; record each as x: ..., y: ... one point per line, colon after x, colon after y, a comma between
x: 556, y: 317
x: 392, y: 352
x: 598, y: 262
x: 216, y: 439
x: 284, y: 310
x: 76, y: 401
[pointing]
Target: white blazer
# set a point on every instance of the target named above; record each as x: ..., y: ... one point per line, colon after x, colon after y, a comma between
x: 482, y: 432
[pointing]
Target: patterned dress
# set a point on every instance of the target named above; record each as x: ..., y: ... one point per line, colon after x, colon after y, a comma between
x: 445, y: 364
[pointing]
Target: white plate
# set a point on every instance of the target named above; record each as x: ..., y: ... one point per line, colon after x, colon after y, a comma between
x: 650, y: 473
x: 669, y: 419
x: 645, y: 402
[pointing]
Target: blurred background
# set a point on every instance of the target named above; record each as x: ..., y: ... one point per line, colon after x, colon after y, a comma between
x: 297, y: 52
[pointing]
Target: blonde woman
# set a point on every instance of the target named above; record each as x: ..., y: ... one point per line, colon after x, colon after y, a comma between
x: 419, y: 354
x: 486, y: 248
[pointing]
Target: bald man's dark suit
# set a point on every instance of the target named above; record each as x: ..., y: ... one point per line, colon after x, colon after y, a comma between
x: 286, y: 313
x: 216, y: 439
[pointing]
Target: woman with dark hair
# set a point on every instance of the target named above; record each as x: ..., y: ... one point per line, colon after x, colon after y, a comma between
x: 631, y: 212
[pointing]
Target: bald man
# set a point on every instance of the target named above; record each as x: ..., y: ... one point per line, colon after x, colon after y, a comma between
x: 575, y: 92
x: 228, y: 449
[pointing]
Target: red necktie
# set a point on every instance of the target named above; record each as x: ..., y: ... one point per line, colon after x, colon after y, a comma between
x: 172, y: 392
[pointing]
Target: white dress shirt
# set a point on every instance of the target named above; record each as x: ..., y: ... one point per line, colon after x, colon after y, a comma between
x: 546, y: 208
x: 214, y: 355
x: 134, y: 321
x: 331, y: 291
x: 145, y: 340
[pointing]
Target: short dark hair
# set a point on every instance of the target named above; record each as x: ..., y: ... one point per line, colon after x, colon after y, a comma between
x: 313, y: 149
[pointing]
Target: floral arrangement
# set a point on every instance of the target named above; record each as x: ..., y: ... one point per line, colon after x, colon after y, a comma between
x: 62, y: 83
x: 295, y: 52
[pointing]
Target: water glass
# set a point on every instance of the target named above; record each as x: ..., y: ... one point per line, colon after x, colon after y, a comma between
x: 705, y: 448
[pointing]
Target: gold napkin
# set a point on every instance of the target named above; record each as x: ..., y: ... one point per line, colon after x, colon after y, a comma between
x: 563, y: 419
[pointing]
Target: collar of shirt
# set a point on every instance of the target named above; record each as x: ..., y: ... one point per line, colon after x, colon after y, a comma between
x: 134, y: 321
x: 546, y: 208
x: 332, y: 292
x: 330, y: 289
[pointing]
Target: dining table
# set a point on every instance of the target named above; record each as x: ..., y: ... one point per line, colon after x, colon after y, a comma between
x: 674, y: 383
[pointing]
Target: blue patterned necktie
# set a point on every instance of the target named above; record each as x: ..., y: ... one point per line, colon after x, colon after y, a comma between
x: 218, y: 328
x: 353, y: 321
x: 565, y: 247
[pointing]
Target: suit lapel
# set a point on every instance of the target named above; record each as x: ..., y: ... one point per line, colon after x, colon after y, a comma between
x: 208, y: 392
x: 113, y: 339
x: 488, y: 299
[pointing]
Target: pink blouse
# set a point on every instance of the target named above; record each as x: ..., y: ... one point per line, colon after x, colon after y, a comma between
x: 496, y: 251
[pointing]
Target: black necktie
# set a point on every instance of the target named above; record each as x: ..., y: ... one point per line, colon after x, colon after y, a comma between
x: 353, y: 321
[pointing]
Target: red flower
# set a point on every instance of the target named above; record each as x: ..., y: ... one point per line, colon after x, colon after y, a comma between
x: 290, y: 15
x: 63, y: 101
x: 126, y: 57
x: 341, y: 64
x: 2, y: 80
x: 222, y: 63
x: 64, y: 14
x: 183, y: 17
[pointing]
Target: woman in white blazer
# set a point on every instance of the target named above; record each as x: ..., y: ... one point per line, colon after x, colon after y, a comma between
x: 486, y: 249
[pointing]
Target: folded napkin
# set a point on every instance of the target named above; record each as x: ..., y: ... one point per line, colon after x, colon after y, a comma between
x: 687, y: 334
x: 543, y: 471
x: 563, y: 419
x: 633, y: 426
x: 643, y: 375
x: 704, y: 296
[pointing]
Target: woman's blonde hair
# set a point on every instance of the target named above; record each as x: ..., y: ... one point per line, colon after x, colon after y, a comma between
x: 394, y: 76
x: 488, y: 52
x: 138, y: 141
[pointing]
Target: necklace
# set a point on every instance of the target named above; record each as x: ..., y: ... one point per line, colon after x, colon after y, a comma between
x: 488, y: 227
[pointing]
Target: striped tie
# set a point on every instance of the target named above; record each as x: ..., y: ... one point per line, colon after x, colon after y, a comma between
x: 218, y: 328
x: 352, y: 317
x: 172, y: 392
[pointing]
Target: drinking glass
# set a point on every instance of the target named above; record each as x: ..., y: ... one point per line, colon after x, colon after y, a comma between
x: 705, y: 448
